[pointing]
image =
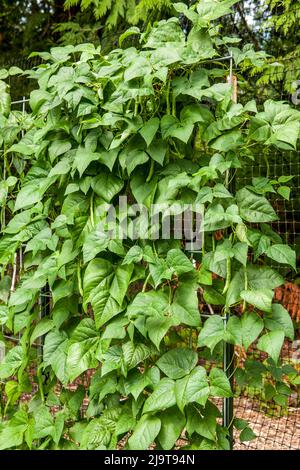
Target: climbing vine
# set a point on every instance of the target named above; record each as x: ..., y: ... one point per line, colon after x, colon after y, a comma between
x: 158, y: 125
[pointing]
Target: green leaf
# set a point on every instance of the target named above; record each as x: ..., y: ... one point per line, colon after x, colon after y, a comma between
x: 144, y: 433
x: 57, y: 148
x: 271, y: 343
x: 192, y: 388
x: 282, y: 254
x: 203, y: 422
x: 247, y: 435
x: 134, y: 354
x: 11, y: 362
x: 157, y: 150
x: 127, y: 33
x: 212, y: 296
x: 96, y: 435
x: 179, y: 262
x: 83, y: 158
x: 111, y: 360
x: 245, y: 331
x: 157, y: 328
x: 254, y: 208
x: 285, y: 192
x: 228, y: 141
x: 172, y: 424
x: 133, y: 255
x: 55, y: 353
x: 204, y: 276
x: 115, y: 329
x: 171, y: 127
x: 136, y: 383
x: 81, y: 352
x: 43, y: 326
x: 38, y: 98
x: 44, y: 424
x: 280, y: 319
x: 130, y: 158
x: 12, y: 433
x: 240, y: 251
x: 152, y: 303
x: 260, y: 298
x: 96, y: 271
x: 178, y: 362
x: 212, y: 332
x: 258, y: 276
x: 30, y: 194
x: 5, y: 100
x: 162, y: 397
x: 107, y: 185
x: 139, y: 68
x: 219, y: 383
x: 185, y: 304
x: 121, y: 282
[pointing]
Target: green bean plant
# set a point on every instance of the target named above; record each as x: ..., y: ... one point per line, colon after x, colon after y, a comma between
x: 155, y: 123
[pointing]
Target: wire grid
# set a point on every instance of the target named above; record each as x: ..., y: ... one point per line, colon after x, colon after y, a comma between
x: 276, y: 427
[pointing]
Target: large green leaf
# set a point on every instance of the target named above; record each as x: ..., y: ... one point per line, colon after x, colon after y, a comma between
x: 185, y: 304
x: 245, y: 330
x: 212, y: 332
x: 107, y: 185
x: 97, y: 270
x: 83, y: 158
x: 257, y: 276
x: 12, y: 433
x: 121, y: 282
x: 149, y: 130
x: 11, y: 362
x: 219, y: 383
x: 260, y: 298
x: 81, y: 351
x: 179, y: 262
x: 172, y: 127
x: 55, y: 353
